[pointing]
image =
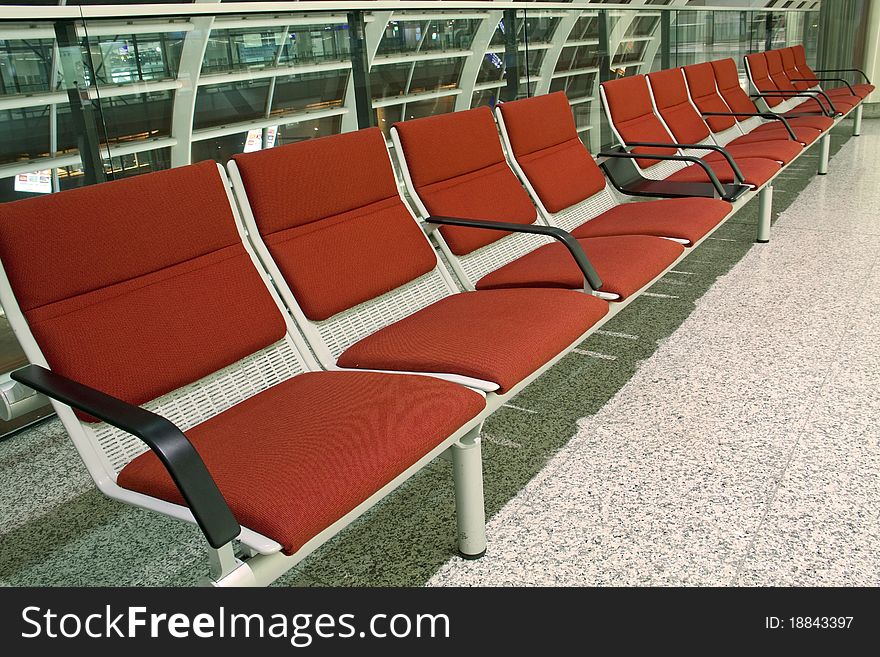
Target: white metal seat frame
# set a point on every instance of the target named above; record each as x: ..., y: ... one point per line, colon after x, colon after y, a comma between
x: 106, y: 450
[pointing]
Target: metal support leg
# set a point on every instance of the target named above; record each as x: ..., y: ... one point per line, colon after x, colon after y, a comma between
x: 857, y: 119
x: 824, y: 154
x: 470, y: 513
x: 225, y: 569
x: 765, y: 211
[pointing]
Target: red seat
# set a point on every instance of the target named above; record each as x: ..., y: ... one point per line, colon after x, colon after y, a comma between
x: 632, y: 112
x: 815, y: 121
x: 626, y: 263
x: 843, y: 102
x: 705, y: 94
x: 683, y: 218
x: 755, y: 171
x: 493, y: 335
x: 456, y: 163
x: 727, y: 78
x: 296, y: 458
x: 777, y: 131
x: 436, y: 162
x: 862, y: 90
x: 545, y: 143
x: 117, y: 324
x: 328, y: 207
x: 560, y: 169
x: 143, y: 304
x: 780, y: 150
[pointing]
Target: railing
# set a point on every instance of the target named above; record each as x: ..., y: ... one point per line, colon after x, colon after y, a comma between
x: 90, y: 93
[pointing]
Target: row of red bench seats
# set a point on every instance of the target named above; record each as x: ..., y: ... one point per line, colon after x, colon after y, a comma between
x: 694, y: 129
x: 269, y: 358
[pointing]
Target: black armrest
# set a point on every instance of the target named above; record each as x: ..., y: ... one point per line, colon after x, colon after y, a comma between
x: 801, y: 94
x: 843, y: 70
x: 851, y: 90
x: 763, y: 115
x: 706, y: 147
x: 574, y: 247
x: 719, y: 188
x: 174, y: 450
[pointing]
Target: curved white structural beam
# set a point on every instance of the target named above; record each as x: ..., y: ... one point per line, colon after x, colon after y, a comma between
x: 471, y: 70
x: 183, y: 113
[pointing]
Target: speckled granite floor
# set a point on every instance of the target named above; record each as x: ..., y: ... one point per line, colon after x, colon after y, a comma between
x: 717, y: 431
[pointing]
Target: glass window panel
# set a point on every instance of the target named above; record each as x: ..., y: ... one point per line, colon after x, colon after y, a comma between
x: 218, y: 104
x: 430, y: 107
x: 586, y: 27
x: 140, y: 116
x: 491, y: 68
x: 310, y: 91
x: 446, y: 34
x: 295, y: 132
x: 489, y: 97
x: 403, y: 36
x: 126, y: 58
x: 539, y: 29
x: 24, y: 133
x: 233, y: 50
x: 388, y: 116
x: 220, y: 149
x: 436, y: 74
x: 314, y: 44
x: 389, y: 80
x: 25, y: 65
x: 135, y: 164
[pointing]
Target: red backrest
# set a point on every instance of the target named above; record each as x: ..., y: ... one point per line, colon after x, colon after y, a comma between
x: 789, y: 65
x: 458, y: 169
x: 629, y: 103
x: 760, y: 77
x: 727, y: 79
x: 546, y: 145
x: 330, y: 214
x: 800, y: 57
x: 777, y: 71
x: 701, y: 82
x: 140, y: 286
x: 671, y: 98
x: 800, y: 61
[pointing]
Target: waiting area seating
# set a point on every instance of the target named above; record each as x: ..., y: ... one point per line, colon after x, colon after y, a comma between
x: 782, y: 81
x: 269, y: 352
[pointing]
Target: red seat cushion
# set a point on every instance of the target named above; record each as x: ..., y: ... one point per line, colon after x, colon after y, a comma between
x: 297, y: 457
x: 458, y: 169
x: 671, y: 98
x: 862, y: 90
x: 494, y: 335
x: 625, y: 263
x: 545, y: 142
x: 755, y: 171
x: 683, y: 218
x: 326, y: 207
x: 632, y: 113
x: 779, y: 150
x: 134, y: 307
x: 817, y: 122
x: 776, y: 131
x: 808, y: 116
